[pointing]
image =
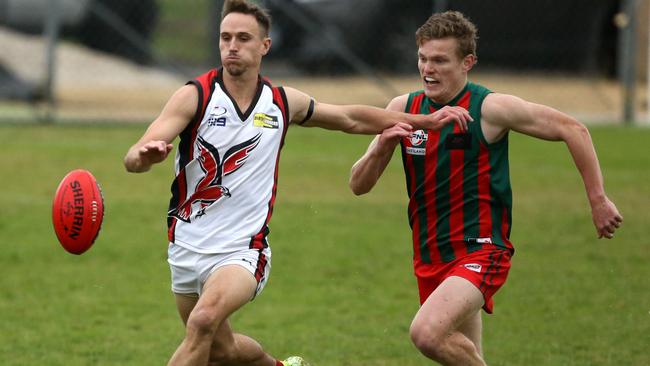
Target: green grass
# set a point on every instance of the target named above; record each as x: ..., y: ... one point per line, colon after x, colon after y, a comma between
x: 341, y: 290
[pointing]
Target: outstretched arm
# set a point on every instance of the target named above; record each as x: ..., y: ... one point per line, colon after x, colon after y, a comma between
x: 154, y: 146
x: 361, y: 119
x: 366, y: 171
x: 501, y: 112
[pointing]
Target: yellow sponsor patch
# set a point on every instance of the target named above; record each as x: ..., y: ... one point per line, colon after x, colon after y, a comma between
x: 266, y: 121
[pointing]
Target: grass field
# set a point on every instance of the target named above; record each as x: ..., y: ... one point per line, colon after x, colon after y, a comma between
x: 341, y: 290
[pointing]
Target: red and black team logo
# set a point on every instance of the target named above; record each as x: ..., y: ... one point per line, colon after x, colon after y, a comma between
x: 210, y: 189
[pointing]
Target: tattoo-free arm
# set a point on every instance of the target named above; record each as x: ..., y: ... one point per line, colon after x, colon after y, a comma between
x: 504, y: 112
x: 155, y: 144
x: 362, y: 119
x: 366, y: 171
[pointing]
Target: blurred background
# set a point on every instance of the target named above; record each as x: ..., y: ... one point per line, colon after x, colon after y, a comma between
x: 120, y: 60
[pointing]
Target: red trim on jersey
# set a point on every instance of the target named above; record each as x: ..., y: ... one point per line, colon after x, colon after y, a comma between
x: 431, y: 165
x: 206, y: 81
x: 416, y: 105
x: 280, y: 99
x: 456, y: 200
x: 484, y: 197
x: 205, y: 87
x: 261, y: 265
x: 181, y: 192
x: 412, y: 206
x: 505, y: 227
x: 456, y: 197
x: 464, y: 101
x: 171, y: 230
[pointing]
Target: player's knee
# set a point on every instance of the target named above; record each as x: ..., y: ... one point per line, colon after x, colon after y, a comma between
x: 428, y: 339
x: 202, y: 322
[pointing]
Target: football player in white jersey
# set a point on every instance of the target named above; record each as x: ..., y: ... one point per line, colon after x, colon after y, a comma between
x: 209, y: 282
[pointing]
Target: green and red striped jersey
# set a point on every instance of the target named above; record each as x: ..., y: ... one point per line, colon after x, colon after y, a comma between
x: 460, y: 199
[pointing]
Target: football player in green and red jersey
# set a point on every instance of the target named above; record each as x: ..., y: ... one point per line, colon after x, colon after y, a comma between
x: 459, y: 190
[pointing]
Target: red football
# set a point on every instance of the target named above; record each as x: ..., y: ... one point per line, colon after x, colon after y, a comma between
x: 77, y: 211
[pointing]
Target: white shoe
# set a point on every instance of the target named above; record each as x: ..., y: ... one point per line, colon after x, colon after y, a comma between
x: 294, y: 361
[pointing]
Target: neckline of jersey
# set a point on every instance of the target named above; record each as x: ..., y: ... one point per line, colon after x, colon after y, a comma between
x: 258, y: 92
x: 452, y: 102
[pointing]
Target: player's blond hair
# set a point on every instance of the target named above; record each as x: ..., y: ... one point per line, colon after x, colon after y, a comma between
x: 242, y: 6
x: 449, y: 24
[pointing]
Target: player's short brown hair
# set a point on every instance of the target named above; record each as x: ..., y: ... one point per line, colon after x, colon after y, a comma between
x: 449, y: 24
x: 242, y: 6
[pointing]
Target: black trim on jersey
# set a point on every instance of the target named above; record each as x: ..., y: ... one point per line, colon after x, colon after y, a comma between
x: 285, y: 110
x: 286, y: 118
x: 310, y: 111
x: 251, y: 107
x: 185, y: 143
x: 286, y: 106
x: 185, y: 136
x: 199, y: 105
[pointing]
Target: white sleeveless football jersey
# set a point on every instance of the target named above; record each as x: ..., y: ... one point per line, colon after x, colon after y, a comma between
x: 226, y: 169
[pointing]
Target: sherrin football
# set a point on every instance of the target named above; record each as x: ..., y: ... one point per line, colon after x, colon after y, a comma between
x: 77, y: 211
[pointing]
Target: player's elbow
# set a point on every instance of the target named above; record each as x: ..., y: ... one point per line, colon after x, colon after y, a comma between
x: 581, y: 129
x: 358, y: 190
x: 358, y: 186
x: 573, y: 129
x: 356, y: 123
x: 132, y: 166
x: 127, y: 165
x: 355, y: 128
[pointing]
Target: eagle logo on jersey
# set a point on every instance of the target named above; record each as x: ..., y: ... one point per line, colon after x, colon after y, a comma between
x: 209, y: 189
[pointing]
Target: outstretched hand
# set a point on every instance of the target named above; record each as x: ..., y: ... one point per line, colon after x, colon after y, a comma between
x: 390, y: 137
x: 606, y: 218
x: 154, y: 152
x: 446, y: 115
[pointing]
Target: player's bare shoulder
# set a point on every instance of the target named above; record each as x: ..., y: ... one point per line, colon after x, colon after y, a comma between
x: 498, y: 113
x: 186, y: 98
x: 298, y: 103
x: 398, y: 103
x: 499, y: 108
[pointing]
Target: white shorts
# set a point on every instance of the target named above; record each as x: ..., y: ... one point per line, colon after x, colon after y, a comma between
x: 190, y: 270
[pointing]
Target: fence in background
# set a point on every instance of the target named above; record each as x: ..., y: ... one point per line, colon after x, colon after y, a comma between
x: 105, y: 60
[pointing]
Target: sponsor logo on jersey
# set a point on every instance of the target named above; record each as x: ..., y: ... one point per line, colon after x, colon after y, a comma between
x: 218, y: 111
x: 458, y: 141
x: 209, y: 189
x: 473, y: 267
x: 215, y: 118
x: 419, y: 137
x: 217, y: 121
x: 415, y: 150
x: 418, y: 140
x: 479, y: 240
x: 265, y: 121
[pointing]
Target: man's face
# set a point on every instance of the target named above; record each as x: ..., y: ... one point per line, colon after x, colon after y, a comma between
x: 242, y: 44
x: 443, y: 72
